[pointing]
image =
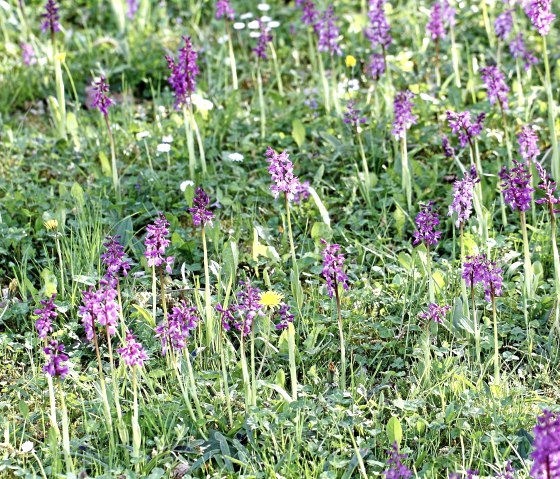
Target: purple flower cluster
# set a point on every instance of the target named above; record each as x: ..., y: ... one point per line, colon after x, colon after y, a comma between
x: 461, y: 125
x: 302, y: 192
x: 516, y: 186
x: 435, y: 25
x: 528, y: 143
x: 352, y: 116
x: 114, y: 258
x: 132, y: 353
x: 495, y: 83
x: 427, y: 222
x: 540, y: 13
x: 264, y: 39
x: 546, y: 456
x: 281, y: 171
x: 100, y: 306
x: 224, y: 9
x: 404, y: 118
x: 448, y: 13
x: 549, y: 188
x: 200, y: 212
x: 395, y: 467
x: 448, y: 150
x: 183, y: 73
x: 133, y: 6
x: 28, y: 54
x: 463, y: 196
x: 509, y: 472
x: 328, y: 32
x: 376, y: 65
x: 156, y: 243
x: 242, y: 314
x: 51, y: 18
x: 285, y: 316
x: 101, y: 99
x: 175, y: 332
x: 504, y: 24
x: 378, y: 32
x: 310, y: 14
x: 56, y: 360
x: 435, y: 313
x: 46, y: 316
x: 333, y: 263
x: 518, y: 49
x: 479, y: 269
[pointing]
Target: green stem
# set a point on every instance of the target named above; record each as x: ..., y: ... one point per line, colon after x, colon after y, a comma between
x: 190, y: 142
x: 210, y: 327
x: 341, y: 337
x: 292, y: 359
x: 276, y: 69
x: 193, y: 384
x: 555, y: 161
x: 136, y: 433
x: 431, y: 291
x: 475, y: 326
x: 154, y: 294
x: 232, y: 62
x: 496, y: 346
x: 253, y: 369
x: 60, y: 94
x: 527, y: 258
x: 405, y: 171
x: 184, y: 390
x: 59, y: 252
x: 245, y: 372
x: 261, y: 103
x: 367, y: 181
x: 65, y: 432
x: 54, y: 422
x: 225, y: 380
x: 114, y: 171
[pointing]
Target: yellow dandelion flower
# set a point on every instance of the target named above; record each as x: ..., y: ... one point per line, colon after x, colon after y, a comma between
x: 350, y: 61
x: 271, y: 299
x: 51, y: 225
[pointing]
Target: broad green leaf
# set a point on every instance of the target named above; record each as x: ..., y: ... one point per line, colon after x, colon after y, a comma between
x: 298, y: 132
x: 394, y: 430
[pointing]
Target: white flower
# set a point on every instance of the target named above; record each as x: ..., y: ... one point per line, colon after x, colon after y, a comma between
x: 238, y: 26
x: 164, y: 148
x: 167, y: 139
x: 265, y: 19
x: 255, y: 34
x: 273, y: 24
x: 246, y: 16
x: 254, y: 25
x: 263, y: 7
x: 223, y: 39
x: 142, y: 134
x: 237, y: 157
x: 201, y: 103
x: 183, y: 186
x: 26, y: 447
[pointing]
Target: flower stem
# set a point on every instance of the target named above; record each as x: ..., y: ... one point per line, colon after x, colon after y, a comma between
x: 261, y: 103
x: 210, y: 327
x: 527, y: 258
x: 232, y: 62
x: 341, y: 336
x: 431, y: 291
x: 496, y: 347
x: 114, y: 171
x: 292, y: 359
x: 245, y: 372
x: 225, y: 379
x: 405, y: 171
x: 65, y: 432
x: 59, y: 253
x: 190, y: 142
x: 253, y: 370
x: 555, y: 161
x: 136, y: 433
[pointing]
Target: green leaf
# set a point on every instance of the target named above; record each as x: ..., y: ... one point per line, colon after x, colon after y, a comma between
x: 322, y: 210
x: 298, y: 132
x: 23, y: 408
x: 394, y: 430
x: 105, y: 165
x: 77, y: 193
